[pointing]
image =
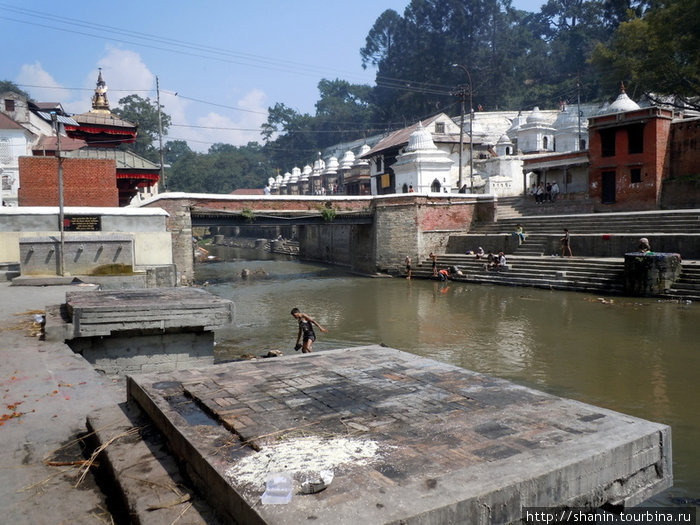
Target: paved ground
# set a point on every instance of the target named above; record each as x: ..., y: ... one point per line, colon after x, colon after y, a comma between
x: 46, y: 393
x: 404, y: 437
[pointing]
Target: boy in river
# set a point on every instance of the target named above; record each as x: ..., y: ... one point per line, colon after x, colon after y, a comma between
x: 306, y: 329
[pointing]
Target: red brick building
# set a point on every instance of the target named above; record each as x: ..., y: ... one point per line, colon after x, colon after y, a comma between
x: 628, y: 153
x: 86, y: 182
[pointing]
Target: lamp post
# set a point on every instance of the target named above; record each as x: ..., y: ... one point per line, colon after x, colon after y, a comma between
x: 61, y: 256
x: 471, y: 131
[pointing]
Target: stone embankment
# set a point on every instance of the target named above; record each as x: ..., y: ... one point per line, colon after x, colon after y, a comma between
x: 599, y: 242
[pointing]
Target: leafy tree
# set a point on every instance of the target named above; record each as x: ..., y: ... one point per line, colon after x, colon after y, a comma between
x: 174, y: 150
x: 7, y: 85
x: 657, y: 53
x: 295, y: 136
x: 144, y: 113
x: 222, y: 169
x: 381, y: 39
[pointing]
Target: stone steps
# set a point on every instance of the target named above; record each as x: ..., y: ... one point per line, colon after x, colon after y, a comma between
x: 533, y: 245
x: 593, y: 275
x: 688, y: 285
x: 640, y: 222
x: 556, y: 273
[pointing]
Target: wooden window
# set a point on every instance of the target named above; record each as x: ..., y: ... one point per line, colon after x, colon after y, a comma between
x: 9, y: 104
x: 635, y: 138
x: 635, y: 175
x: 607, y: 143
x: 439, y: 127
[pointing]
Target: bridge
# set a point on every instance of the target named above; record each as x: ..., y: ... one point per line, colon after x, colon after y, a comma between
x: 365, y: 233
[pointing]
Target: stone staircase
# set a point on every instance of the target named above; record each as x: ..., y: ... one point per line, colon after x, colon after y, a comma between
x: 668, y: 221
x: 688, y: 285
x: 520, y: 206
x: 533, y: 245
x: 593, y: 275
x: 552, y: 273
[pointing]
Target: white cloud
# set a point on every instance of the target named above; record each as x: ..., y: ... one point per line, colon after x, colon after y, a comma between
x: 125, y: 74
x: 237, y: 127
x: 47, y: 90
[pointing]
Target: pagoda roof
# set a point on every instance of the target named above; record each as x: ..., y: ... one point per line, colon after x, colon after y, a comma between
x: 103, y: 119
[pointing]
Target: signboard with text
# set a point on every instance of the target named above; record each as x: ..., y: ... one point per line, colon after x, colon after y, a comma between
x: 82, y: 223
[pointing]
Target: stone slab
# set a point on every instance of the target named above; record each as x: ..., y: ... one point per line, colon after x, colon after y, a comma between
x: 408, y: 439
x: 103, y: 313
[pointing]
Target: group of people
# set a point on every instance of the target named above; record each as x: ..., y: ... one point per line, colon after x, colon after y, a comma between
x: 545, y: 192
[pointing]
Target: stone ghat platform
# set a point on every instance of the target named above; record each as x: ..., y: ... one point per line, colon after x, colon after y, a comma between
x: 408, y: 440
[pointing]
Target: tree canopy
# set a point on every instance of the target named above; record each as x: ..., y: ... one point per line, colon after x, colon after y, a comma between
x: 144, y: 113
x: 6, y: 85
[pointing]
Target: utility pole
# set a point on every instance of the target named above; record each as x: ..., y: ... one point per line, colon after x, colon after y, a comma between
x: 471, y: 131
x: 462, y: 95
x: 61, y: 247
x: 160, y: 136
x: 578, y: 96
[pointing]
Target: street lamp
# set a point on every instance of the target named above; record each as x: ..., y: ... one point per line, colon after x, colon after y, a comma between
x: 471, y: 130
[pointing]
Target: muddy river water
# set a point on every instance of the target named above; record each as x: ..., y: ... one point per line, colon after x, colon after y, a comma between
x: 636, y: 356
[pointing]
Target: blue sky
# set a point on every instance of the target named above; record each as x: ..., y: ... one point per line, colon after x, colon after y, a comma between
x: 227, y: 60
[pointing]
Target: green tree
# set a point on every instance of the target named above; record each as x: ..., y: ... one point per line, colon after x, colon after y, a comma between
x: 144, y: 113
x: 656, y: 54
x: 174, y: 150
x: 7, y: 85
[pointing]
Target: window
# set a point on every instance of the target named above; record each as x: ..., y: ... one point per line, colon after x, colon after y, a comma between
x: 635, y: 138
x: 635, y: 175
x: 582, y: 144
x: 439, y: 127
x: 607, y: 143
x: 435, y: 186
x: 5, y: 151
x: 9, y: 104
x: 545, y: 143
x: 379, y: 164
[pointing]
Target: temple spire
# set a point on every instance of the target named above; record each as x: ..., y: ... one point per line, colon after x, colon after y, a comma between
x: 100, y: 104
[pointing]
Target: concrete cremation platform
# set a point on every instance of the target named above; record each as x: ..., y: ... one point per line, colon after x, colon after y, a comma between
x: 103, y: 313
x: 407, y: 439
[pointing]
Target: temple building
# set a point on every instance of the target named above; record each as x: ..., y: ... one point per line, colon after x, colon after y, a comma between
x: 44, y: 129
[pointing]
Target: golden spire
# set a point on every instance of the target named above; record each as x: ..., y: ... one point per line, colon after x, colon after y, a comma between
x: 100, y: 104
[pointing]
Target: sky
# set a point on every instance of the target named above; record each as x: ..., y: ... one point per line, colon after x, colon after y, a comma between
x: 220, y: 64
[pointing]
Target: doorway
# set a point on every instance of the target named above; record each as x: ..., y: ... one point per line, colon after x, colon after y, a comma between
x: 608, y: 187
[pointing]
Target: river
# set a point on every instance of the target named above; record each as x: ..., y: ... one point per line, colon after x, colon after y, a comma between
x: 636, y: 356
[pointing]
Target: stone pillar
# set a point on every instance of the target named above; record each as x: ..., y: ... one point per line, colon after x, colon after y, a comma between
x: 179, y: 224
x: 649, y: 274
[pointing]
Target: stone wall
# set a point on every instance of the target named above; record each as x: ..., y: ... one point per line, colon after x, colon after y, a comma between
x: 150, y: 242
x: 140, y: 354
x: 404, y: 224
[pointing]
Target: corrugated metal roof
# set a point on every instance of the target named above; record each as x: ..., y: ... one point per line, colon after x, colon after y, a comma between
x: 401, y: 136
x: 62, y: 119
x: 124, y: 159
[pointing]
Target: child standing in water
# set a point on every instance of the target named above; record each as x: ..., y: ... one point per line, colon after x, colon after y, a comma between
x: 306, y: 330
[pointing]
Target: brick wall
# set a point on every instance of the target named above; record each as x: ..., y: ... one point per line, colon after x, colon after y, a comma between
x: 652, y: 161
x: 86, y: 182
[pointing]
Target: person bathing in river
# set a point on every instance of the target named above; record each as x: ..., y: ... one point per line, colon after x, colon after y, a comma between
x: 306, y: 330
